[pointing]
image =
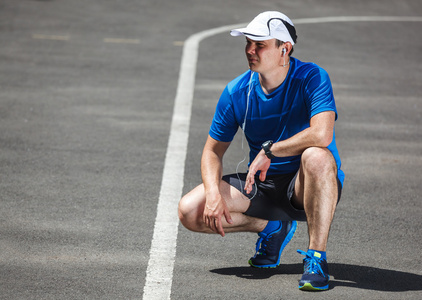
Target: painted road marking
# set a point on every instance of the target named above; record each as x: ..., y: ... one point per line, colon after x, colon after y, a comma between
x: 159, y: 273
x: 67, y: 38
x: 297, y: 21
x: 357, y: 19
x: 50, y: 37
x: 163, y: 246
x: 121, y: 41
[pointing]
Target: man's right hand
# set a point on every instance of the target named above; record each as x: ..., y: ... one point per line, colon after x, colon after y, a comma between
x: 215, y: 208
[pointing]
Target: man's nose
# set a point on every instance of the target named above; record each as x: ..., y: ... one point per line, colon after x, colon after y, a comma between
x: 250, y: 49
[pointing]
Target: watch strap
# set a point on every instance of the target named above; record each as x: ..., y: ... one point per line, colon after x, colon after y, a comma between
x: 266, y: 146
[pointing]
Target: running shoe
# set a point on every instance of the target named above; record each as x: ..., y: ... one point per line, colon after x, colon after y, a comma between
x: 315, y: 276
x: 269, y: 246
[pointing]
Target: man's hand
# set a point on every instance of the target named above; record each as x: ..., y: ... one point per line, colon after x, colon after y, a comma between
x: 215, y: 208
x: 261, y: 163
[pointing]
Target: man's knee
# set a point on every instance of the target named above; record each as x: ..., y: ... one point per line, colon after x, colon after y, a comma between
x: 190, y: 211
x: 318, y: 161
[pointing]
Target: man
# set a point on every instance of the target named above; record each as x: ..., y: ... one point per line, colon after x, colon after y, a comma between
x: 286, y: 110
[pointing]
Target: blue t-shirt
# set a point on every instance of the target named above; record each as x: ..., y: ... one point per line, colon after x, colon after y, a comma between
x: 305, y: 92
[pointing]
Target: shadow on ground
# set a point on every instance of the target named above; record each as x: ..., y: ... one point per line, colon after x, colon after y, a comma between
x: 361, y: 277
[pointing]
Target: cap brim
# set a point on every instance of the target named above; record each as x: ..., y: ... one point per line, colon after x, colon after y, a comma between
x: 246, y: 32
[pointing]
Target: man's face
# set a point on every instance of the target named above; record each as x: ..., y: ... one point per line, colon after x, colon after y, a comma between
x: 263, y: 56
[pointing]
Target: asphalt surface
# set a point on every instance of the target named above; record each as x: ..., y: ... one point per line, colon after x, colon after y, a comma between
x: 87, y: 90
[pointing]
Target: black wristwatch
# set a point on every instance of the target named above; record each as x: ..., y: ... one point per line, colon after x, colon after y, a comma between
x: 267, y: 149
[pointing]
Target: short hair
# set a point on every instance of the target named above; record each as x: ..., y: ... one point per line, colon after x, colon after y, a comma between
x: 279, y: 43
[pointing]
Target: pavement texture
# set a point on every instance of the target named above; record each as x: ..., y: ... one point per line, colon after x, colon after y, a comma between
x: 87, y: 90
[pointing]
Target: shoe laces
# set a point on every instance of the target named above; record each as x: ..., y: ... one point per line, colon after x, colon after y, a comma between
x: 312, y: 263
x: 260, y: 243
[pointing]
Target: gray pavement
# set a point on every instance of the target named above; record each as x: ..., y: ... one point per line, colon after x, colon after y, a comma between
x: 86, y: 100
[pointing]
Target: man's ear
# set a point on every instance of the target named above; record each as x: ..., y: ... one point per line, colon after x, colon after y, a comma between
x: 287, y: 47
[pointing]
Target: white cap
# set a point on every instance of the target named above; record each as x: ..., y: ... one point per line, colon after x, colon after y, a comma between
x: 269, y: 25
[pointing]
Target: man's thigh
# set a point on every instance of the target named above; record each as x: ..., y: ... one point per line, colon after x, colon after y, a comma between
x: 235, y: 200
x: 298, y: 184
x: 270, y: 199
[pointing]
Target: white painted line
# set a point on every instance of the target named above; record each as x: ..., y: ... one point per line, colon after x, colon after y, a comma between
x: 159, y: 273
x: 163, y: 246
x: 357, y: 19
x: 50, y: 37
x: 121, y: 41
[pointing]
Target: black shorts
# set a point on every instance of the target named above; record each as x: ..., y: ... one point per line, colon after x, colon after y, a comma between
x: 271, y: 199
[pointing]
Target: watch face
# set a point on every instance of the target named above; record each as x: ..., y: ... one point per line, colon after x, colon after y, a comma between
x: 267, y: 144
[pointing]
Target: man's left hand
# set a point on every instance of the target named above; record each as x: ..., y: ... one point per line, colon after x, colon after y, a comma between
x: 261, y: 163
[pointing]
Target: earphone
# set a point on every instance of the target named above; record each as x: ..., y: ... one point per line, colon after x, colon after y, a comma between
x: 284, y: 57
x: 248, y: 100
x: 244, y: 136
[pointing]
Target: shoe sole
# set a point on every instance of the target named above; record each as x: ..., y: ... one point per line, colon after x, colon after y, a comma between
x: 286, y: 241
x: 309, y: 287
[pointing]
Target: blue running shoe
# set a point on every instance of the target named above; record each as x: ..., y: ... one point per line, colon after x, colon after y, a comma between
x: 315, y: 276
x: 269, y: 246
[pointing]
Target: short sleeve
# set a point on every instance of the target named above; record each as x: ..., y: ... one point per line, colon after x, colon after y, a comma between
x: 224, y: 125
x: 319, y: 95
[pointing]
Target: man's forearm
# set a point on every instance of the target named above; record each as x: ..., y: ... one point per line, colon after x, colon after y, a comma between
x: 212, y: 163
x: 211, y: 170
x: 319, y: 134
